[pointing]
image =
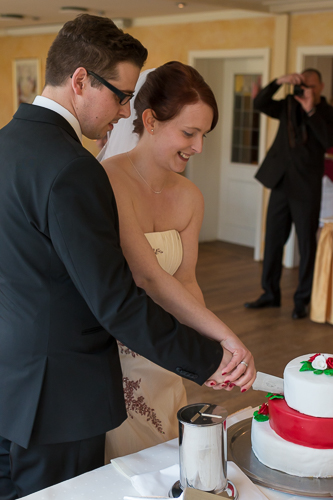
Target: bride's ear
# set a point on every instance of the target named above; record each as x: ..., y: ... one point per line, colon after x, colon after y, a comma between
x: 148, y: 120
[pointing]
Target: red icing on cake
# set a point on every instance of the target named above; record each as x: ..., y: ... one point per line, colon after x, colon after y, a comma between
x: 313, y: 432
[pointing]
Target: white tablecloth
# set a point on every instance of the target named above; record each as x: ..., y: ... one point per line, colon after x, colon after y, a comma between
x: 114, y: 481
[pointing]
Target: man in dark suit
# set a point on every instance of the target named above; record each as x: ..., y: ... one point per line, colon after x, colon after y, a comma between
x: 66, y: 292
x: 293, y: 170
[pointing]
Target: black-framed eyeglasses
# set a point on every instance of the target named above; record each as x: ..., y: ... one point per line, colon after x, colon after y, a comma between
x: 124, y: 98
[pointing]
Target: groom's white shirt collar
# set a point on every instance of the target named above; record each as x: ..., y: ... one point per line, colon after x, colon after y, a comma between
x: 45, y: 102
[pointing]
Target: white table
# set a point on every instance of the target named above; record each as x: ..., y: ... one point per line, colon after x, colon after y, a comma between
x: 108, y: 483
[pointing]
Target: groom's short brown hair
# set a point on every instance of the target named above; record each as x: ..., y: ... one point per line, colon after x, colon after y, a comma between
x: 94, y: 43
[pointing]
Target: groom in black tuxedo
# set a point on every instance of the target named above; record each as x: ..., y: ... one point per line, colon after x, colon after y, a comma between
x: 66, y: 292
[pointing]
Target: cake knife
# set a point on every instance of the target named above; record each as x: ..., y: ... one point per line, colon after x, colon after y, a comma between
x: 268, y: 383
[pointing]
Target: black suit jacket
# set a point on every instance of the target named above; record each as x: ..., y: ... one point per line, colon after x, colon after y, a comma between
x: 66, y: 292
x: 297, y: 153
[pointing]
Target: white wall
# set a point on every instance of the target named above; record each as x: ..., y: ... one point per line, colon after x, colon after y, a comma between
x: 205, y: 168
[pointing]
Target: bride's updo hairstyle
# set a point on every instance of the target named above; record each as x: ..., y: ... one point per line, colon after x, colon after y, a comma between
x: 168, y: 89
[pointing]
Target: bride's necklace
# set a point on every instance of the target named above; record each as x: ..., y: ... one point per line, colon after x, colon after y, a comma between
x: 144, y: 180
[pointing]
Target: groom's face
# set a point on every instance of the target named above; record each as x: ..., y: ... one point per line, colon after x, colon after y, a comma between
x: 99, y: 108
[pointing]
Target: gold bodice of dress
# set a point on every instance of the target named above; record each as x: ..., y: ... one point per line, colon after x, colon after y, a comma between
x: 167, y: 246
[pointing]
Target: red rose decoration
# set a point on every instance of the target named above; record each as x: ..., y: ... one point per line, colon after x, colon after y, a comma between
x: 329, y: 362
x: 313, y: 357
x: 263, y: 410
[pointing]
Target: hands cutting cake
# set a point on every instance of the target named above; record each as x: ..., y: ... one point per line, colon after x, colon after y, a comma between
x: 236, y: 368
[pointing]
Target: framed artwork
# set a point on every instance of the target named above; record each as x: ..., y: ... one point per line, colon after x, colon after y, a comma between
x: 27, y: 80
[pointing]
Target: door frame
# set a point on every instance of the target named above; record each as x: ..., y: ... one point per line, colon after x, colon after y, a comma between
x: 263, y: 53
x: 311, y: 50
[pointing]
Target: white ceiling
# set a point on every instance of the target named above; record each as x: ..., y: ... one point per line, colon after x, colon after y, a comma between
x: 47, y: 12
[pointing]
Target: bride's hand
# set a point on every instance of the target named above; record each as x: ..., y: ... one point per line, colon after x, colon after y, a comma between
x: 240, y: 370
x: 236, y: 368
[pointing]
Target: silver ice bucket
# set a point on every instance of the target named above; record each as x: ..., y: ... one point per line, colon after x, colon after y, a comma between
x: 203, y: 450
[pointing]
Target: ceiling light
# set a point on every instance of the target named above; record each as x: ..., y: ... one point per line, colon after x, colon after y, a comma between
x: 17, y: 17
x: 181, y: 5
x: 73, y: 9
x: 12, y: 16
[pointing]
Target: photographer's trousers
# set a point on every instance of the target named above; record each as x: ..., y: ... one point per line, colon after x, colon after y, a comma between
x: 283, y: 210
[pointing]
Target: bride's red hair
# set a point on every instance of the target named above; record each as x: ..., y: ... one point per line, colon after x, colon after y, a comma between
x: 168, y: 89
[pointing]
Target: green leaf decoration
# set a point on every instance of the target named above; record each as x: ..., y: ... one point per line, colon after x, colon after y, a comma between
x: 318, y: 372
x: 306, y: 367
x: 271, y: 395
x: 329, y: 371
x: 260, y: 418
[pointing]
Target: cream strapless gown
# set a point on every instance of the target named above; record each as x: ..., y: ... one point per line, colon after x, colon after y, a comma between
x: 153, y: 395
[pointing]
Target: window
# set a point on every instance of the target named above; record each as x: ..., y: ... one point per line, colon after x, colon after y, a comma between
x: 246, y: 122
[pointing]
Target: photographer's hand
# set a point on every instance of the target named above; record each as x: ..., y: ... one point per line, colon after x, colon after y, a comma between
x: 306, y: 100
x: 292, y: 79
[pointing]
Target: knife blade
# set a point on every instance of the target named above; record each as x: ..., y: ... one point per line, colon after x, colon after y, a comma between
x: 268, y: 383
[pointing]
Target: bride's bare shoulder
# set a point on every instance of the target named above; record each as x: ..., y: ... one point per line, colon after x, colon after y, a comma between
x: 188, y: 188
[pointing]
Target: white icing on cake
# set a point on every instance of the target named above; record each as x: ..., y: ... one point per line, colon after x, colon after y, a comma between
x: 306, y: 392
x: 277, y: 453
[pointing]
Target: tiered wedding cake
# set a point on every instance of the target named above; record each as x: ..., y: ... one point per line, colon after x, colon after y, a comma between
x: 294, y: 433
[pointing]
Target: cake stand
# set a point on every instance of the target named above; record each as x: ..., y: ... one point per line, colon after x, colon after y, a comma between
x: 240, y: 452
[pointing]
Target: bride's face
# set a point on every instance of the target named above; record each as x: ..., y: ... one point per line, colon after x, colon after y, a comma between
x: 175, y: 141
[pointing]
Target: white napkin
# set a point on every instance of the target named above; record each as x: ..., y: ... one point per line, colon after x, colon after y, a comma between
x: 246, y: 489
x: 148, y: 460
x: 156, y: 483
x: 160, y: 482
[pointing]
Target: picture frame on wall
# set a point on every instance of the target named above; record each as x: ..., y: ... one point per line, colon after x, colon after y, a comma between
x: 27, y: 80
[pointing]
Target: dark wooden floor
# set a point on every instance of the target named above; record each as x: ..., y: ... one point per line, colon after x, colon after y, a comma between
x: 229, y: 276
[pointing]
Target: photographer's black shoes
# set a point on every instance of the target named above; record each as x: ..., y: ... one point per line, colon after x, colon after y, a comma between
x: 299, y: 312
x: 262, y: 302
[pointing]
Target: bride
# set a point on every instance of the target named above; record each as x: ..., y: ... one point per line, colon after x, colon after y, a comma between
x: 160, y: 215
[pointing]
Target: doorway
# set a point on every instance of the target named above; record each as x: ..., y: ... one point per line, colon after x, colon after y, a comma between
x: 324, y: 64
x: 225, y: 170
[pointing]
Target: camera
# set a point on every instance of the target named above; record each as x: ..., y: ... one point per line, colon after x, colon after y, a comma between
x: 299, y: 89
